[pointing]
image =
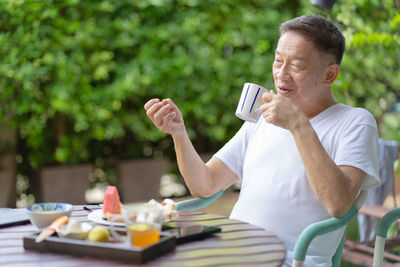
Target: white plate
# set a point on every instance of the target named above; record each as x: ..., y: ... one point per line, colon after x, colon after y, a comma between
x: 97, y: 216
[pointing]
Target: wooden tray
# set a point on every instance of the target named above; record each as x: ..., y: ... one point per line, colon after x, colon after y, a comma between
x: 113, y: 251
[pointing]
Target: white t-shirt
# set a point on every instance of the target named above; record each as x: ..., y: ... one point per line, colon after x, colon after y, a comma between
x: 275, y: 192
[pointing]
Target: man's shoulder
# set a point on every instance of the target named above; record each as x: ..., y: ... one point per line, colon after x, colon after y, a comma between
x: 356, y: 114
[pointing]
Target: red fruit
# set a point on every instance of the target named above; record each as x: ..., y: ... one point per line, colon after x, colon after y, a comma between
x: 111, y: 203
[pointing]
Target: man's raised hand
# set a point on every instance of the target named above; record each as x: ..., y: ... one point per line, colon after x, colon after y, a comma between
x: 165, y: 115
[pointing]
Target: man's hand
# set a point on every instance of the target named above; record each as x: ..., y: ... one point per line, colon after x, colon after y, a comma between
x: 202, y: 180
x: 166, y: 116
x: 281, y: 111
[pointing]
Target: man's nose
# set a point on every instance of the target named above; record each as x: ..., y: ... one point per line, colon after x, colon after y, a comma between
x: 282, y: 73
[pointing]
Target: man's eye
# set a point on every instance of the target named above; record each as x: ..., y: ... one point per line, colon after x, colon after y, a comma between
x: 297, y: 66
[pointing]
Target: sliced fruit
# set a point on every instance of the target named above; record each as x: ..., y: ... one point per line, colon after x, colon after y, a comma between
x: 111, y: 203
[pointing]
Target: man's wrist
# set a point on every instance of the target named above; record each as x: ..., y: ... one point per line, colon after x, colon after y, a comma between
x: 300, y: 125
x: 179, y: 137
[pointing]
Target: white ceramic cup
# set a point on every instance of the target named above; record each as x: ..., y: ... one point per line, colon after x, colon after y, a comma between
x: 250, y: 101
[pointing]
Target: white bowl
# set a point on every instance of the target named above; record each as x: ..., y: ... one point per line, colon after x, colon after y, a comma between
x: 43, y: 214
x: 74, y: 229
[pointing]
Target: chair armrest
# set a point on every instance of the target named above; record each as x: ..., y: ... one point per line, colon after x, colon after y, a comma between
x: 319, y: 228
x: 381, y: 235
x: 198, y: 203
x: 386, y: 222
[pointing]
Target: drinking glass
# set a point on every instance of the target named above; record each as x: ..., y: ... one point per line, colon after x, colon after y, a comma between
x: 143, y: 223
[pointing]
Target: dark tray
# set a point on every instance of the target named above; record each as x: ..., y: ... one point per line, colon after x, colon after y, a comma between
x: 113, y: 251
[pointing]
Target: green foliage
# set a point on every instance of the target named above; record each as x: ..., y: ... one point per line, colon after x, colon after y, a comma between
x: 76, y: 74
x: 370, y: 68
x: 390, y: 126
x: 352, y: 230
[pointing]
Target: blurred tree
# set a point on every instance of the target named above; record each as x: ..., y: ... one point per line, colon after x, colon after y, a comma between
x: 370, y: 69
x: 75, y: 74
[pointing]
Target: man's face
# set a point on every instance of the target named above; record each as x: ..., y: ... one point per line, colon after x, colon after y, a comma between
x: 298, y: 71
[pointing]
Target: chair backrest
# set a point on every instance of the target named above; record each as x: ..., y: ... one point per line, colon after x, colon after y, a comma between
x: 323, y: 227
x: 385, y: 223
x: 381, y: 235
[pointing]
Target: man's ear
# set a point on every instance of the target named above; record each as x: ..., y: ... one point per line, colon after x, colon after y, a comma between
x: 331, y: 73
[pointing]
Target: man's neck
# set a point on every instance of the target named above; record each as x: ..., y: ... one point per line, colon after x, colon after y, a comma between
x: 317, y: 110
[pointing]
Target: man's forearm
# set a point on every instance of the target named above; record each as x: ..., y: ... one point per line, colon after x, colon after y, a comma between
x: 193, y: 169
x: 332, y: 186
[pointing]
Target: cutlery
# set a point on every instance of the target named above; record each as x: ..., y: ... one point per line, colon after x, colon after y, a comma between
x: 51, y: 229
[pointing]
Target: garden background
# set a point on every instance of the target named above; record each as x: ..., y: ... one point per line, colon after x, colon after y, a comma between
x: 74, y: 76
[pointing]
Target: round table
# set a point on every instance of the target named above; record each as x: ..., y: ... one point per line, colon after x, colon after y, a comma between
x: 238, y: 244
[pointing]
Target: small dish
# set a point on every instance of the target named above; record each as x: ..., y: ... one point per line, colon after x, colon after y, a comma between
x: 74, y: 230
x: 97, y: 217
x: 43, y: 214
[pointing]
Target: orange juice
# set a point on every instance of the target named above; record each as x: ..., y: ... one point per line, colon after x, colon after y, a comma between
x: 143, y: 234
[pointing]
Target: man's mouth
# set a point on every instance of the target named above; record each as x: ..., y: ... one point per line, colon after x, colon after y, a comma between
x: 282, y: 90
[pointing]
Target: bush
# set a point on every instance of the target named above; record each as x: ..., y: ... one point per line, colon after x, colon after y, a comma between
x: 76, y: 74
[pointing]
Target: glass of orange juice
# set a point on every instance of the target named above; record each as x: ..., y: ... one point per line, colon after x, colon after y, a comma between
x: 143, y: 223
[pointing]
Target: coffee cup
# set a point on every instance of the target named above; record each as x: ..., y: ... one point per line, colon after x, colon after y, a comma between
x: 249, y: 102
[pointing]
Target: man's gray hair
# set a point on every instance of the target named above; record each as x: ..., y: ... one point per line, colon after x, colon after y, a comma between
x: 323, y: 33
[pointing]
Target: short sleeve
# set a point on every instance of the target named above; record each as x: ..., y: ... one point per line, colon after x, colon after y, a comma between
x: 233, y: 152
x: 359, y: 147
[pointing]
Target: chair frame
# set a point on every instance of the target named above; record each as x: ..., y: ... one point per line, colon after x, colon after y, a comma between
x: 361, y: 253
x: 323, y: 227
x: 308, y: 234
x: 381, y: 235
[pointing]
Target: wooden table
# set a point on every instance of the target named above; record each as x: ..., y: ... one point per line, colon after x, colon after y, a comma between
x: 238, y: 244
